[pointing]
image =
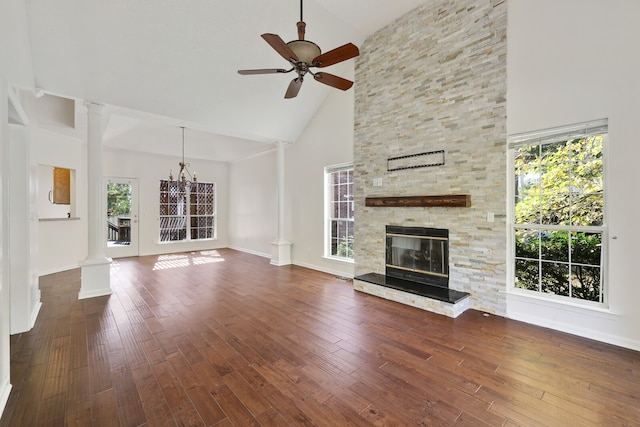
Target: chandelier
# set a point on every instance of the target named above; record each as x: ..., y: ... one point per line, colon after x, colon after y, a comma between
x: 185, y: 178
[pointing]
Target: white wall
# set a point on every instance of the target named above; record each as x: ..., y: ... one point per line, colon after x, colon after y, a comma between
x: 15, y: 51
x: 149, y: 169
x: 63, y: 243
x: 15, y: 69
x: 327, y: 140
x: 571, y: 61
x: 253, y: 203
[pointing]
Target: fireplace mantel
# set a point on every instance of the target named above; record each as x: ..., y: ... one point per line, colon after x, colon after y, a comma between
x: 447, y: 201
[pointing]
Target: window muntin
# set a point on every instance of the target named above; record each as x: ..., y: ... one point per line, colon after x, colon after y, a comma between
x: 340, y: 213
x: 559, y: 214
x: 201, y: 213
x: 179, y: 221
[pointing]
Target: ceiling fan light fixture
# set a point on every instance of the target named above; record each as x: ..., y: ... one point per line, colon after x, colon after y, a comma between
x: 305, y: 50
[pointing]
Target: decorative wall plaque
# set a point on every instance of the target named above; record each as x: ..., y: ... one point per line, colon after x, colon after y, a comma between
x: 414, y: 161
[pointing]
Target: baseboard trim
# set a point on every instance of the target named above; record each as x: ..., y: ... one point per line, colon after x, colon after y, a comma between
x: 34, y: 314
x: 595, y: 324
x: 95, y: 293
x: 252, y: 252
x: 298, y: 263
x: 57, y: 270
x: 574, y: 330
x: 323, y: 269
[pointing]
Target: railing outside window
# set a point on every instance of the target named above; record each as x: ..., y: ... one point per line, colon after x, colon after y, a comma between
x: 179, y: 221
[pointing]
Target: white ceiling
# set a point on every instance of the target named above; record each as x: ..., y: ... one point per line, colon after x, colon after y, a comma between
x: 159, y: 64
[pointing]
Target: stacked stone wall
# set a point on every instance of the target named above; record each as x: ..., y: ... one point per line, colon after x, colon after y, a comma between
x: 435, y: 79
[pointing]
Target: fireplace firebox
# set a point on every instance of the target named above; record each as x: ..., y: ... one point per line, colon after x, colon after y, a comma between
x: 418, y: 254
x: 416, y: 266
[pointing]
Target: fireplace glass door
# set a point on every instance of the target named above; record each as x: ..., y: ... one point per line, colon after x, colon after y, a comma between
x: 420, y: 254
x: 419, y: 257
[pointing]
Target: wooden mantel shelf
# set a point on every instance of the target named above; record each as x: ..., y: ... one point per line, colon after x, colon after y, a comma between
x: 449, y: 201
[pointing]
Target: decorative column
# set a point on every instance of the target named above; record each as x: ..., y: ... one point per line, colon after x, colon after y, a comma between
x: 95, y: 269
x: 280, y: 248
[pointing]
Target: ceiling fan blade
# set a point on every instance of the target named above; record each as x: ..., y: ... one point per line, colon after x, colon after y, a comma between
x: 262, y: 71
x: 335, y: 81
x: 294, y: 88
x: 280, y: 46
x: 336, y: 55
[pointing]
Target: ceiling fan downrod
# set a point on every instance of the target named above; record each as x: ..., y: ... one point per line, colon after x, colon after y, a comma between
x: 301, y: 25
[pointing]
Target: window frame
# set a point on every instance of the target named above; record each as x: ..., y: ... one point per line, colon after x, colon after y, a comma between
x: 184, y: 203
x: 328, y: 217
x: 548, y: 136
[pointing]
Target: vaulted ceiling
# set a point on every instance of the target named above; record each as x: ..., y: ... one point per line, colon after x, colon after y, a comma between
x: 160, y: 64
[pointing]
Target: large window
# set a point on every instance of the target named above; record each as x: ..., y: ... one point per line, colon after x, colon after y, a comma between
x: 339, y: 211
x: 559, y: 212
x: 187, y: 212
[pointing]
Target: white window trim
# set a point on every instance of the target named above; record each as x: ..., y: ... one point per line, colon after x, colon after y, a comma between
x: 188, y: 240
x: 327, y: 209
x: 561, y: 133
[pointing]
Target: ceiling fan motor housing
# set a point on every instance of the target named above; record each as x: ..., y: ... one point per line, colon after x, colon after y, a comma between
x: 305, y: 50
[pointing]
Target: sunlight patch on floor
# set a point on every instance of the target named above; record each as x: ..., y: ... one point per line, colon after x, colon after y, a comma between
x: 114, y: 268
x: 165, y: 262
x: 206, y: 260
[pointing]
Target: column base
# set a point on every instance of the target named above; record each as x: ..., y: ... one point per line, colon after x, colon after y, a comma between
x: 95, y: 280
x: 280, y: 253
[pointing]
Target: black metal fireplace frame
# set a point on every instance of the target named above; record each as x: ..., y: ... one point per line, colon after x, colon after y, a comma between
x: 415, y: 276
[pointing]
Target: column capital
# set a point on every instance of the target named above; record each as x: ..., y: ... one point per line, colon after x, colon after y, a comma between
x: 94, y: 107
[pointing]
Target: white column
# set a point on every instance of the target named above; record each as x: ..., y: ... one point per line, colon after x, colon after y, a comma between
x: 280, y: 248
x: 95, y: 216
x: 96, y: 267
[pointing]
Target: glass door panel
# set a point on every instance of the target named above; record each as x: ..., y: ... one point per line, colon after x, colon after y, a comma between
x: 122, y: 217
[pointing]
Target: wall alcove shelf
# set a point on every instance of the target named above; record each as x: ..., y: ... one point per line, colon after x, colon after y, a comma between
x: 448, y: 201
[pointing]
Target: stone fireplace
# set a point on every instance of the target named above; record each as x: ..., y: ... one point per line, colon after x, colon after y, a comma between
x: 416, y: 271
x: 443, y: 91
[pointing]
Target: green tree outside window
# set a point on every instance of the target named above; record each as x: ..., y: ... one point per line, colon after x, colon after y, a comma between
x: 559, y: 214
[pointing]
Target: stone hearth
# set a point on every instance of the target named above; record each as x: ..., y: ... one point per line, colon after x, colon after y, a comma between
x: 436, y: 303
x: 436, y: 299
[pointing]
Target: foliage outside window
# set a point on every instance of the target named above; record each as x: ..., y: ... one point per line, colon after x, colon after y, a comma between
x: 118, y: 199
x: 339, y: 208
x: 559, y: 212
x: 187, y: 212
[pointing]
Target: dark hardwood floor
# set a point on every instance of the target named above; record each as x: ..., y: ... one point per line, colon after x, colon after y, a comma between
x: 222, y: 338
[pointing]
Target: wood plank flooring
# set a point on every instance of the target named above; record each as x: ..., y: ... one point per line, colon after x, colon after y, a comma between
x: 222, y: 338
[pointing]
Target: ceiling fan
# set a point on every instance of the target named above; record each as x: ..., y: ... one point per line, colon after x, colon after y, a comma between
x: 303, y: 55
